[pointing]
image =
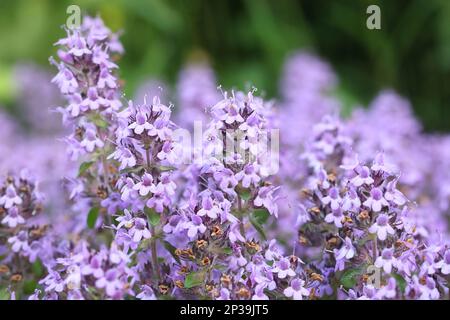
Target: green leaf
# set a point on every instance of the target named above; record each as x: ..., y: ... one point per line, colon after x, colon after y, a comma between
x: 84, y: 167
x: 261, y: 215
x: 100, y: 122
x: 194, y: 279
x: 29, y: 286
x: 165, y: 168
x: 227, y: 250
x: 349, y: 277
x: 4, y: 294
x: 92, y: 217
x: 169, y: 247
x: 153, y: 217
x: 245, y: 194
x: 401, y: 282
x: 38, y: 269
x: 135, y: 169
x: 258, y: 226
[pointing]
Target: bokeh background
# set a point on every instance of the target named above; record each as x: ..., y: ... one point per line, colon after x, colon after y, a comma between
x: 247, y: 41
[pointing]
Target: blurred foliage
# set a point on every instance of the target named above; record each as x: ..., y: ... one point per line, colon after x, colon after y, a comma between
x: 247, y: 41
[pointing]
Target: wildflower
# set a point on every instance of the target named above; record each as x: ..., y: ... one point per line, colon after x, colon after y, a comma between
x: 386, y: 260
x: 145, y: 186
x: 363, y: 177
x: 283, y: 268
x: 10, y: 198
x: 139, y: 230
x: 333, y: 198
x: 13, y: 218
x: 296, y: 290
x: 194, y: 227
x: 249, y: 175
x: 335, y: 217
x: 382, y: 227
x: 376, y: 200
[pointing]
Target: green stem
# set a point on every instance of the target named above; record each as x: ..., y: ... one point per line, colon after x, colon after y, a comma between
x: 153, y: 243
x: 241, y: 214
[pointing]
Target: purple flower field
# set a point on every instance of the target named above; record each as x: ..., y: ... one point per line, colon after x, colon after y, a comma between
x: 220, y: 194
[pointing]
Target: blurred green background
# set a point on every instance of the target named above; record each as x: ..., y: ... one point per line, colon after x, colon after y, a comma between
x: 248, y: 40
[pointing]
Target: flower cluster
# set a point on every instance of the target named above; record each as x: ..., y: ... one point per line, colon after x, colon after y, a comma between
x: 25, y: 242
x: 340, y: 209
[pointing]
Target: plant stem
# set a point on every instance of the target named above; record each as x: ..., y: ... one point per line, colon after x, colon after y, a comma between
x: 240, y: 213
x: 153, y: 249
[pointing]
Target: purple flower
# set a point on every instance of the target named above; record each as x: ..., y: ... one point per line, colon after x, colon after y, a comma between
x: 65, y: 80
x: 333, y: 198
x: 106, y: 79
x: 363, y: 177
x: 194, y: 227
x: 94, y: 267
x: 283, y: 268
x: 146, y: 293
x: 158, y: 201
x: 224, y: 294
x: 335, y: 217
x: 296, y: 290
x: 376, y: 200
x: 141, y: 124
x: 208, y: 208
x: 347, y: 251
x: 13, y: 218
x: 382, y: 227
x: 91, y: 141
x: 124, y: 156
x: 265, y: 199
x: 444, y: 264
x: 10, y: 198
x: 226, y: 179
x: 145, y: 186
x: 351, y: 201
x: 19, y: 242
x: 386, y: 260
x: 235, y: 234
x: 139, y: 230
x: 110, y: 282
x: 113, y: 203
x: 393, y: 195
x: 248, y: 175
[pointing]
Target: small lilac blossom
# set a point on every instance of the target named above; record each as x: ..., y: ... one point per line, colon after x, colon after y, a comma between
x: 124, y: 156
x: 333, y: 198
x: 19, y: 242
x: 208, y: 208
x: 335, y: 217
x: 376, y: 200
x: 351, y: 201
x: 386, y: 260
x: 283, y: 268
x: 382, y: 227
x: 363, y: 177
x: 249, y: 175
x: 265, y: 199
x: 139, y: 230
x: 13, y: 218
x: 194, y: 227
x: 145, y: 186
x: 444, y: 264
x: 110, y: 282
x: 347, y: 250
x: 91, y: 141
x: 296, y: 290
x: 10, y: 198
